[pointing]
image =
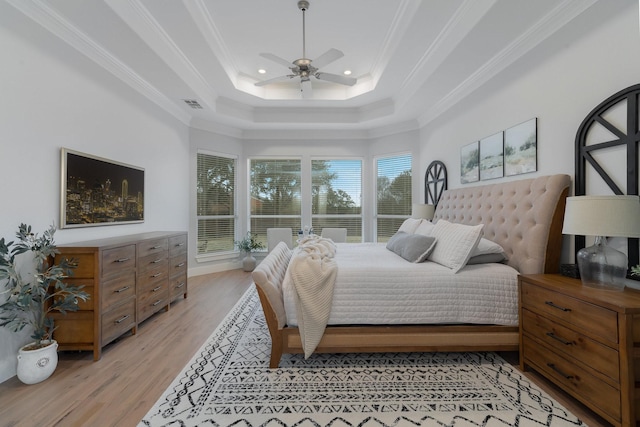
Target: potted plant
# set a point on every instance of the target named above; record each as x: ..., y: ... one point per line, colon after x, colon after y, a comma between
x: 247, y: 245
x: 30, y: 302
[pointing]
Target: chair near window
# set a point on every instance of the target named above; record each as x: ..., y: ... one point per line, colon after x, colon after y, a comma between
x: 338, y: 235
x: 277, y: 235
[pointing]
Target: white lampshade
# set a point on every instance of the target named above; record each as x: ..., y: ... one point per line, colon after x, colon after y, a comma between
x: 600, y: 265
x: 610, y: 216
x: 424, y: 211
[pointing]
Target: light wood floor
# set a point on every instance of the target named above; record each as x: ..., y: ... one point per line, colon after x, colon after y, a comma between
x: 119, y: 389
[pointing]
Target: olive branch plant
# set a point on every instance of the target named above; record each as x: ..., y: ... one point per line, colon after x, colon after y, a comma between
x: 30, y: 302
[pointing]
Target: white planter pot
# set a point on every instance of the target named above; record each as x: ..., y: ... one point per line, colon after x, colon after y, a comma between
x: 35, y: 366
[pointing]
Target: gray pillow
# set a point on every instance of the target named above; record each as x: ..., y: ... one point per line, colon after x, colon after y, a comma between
x: 412, y: 247
x: 486, y: 258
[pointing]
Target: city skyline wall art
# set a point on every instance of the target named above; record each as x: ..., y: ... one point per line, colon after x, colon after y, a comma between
x: 97, y: 191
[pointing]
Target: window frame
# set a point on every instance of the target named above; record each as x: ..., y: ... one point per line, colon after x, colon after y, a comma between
x: 375, y: 215
x: 212, y: 256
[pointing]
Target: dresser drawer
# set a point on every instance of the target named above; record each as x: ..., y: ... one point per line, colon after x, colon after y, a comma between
x: 116, y: 260
x: 178, y: 286
x: 149, y: 279
x: 177, y: 245
x: 118, y: 320
x: 591, y: 353
x: 580, y: 383
x: 178, y: 265
x: 152, y: 300
x: 588, y: 318
x: 117, y: 290
x: 152, y: 246
x: 153, y: 261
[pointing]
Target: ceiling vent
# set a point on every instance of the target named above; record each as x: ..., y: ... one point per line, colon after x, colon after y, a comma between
x: 193, y: 104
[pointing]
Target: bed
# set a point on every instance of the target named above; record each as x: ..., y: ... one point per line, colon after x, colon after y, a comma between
x: 524, y: 217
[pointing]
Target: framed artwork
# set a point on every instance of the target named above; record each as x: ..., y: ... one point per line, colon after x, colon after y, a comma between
x: 97, y: 191
x: 469, y: 163
x: 520, y: 148
x: 492, y: 157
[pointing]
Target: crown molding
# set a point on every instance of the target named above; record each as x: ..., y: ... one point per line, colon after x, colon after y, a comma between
x: 44, y: 15
x: 142, y: 22
x: 564, y: 12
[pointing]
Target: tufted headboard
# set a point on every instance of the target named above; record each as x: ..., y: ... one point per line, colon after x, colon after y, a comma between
x: 524, y: 217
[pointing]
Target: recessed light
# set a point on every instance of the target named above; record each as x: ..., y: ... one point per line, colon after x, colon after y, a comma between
x: 347, y: 72
x: 262, y: 70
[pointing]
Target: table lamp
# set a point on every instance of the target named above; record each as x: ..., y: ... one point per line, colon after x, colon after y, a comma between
x: 424, y: 211
x: 600, y: 265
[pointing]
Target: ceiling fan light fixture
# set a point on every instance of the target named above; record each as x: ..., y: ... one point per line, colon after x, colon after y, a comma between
x: 303, y: 67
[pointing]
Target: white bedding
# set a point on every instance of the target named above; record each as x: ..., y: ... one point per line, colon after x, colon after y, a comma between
x: 376, y: 286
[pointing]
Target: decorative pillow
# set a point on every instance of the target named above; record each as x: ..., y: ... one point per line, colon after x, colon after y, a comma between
x: 412, y: 247
x: 486, y: 258
x: 409, y: 225
x: 486, y: 252
x: 425, y: 228
x: 455, y: 243
x: 486, y: 246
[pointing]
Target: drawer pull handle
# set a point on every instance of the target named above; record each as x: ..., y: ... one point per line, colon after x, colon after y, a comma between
x: 180, y: 244
x: 180, y: 285
x: 122, y: 289
x: 156, y: 247
x: 122, y: 319
x: 552, y: 366
x: 122, y: 259
x: 156, y: 289
x: 156, y: 303
x: 156, y: 275
x: 156, y: 261
x: 557, y: 338
x: 550, y: 303
x: 180, y: 265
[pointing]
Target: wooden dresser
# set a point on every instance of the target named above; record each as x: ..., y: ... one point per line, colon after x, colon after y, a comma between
x: 129, y: 278
x: 585, y: 340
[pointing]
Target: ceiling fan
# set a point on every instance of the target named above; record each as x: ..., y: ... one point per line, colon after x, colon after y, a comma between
x: 304, y: 69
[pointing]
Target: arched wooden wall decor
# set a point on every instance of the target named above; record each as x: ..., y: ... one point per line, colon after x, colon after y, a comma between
x: 630, y: 139
x: 435, y: 182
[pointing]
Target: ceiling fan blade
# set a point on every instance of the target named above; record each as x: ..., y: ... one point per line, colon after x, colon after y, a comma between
x: 305, y: 88
x: 277, y: 59
x: 327, y: 58
x: 275, y: 80
x: 343, y: 80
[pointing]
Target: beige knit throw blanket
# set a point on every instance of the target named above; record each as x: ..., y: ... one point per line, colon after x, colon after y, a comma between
x: 313, y: 271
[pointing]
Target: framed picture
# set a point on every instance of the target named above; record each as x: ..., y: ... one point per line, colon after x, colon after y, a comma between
x: 469, y: 163
x: 520, y: 148
x: 97, y: 191
x: 492, y: 157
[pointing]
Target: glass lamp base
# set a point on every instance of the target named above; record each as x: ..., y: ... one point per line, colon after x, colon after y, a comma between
x: 602, y: 266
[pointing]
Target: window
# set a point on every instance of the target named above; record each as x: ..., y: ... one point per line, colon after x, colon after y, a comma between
x: 393, y: 194
x: 336, y: 190
x: 274, y: 187
x: 216, y: 200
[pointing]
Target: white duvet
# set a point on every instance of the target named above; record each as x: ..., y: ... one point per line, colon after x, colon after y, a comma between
x: 376, y: 286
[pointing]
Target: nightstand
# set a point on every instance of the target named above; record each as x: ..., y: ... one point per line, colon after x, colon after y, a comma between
x: 585, y: 340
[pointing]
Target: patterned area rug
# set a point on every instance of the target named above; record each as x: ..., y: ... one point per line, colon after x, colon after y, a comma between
x: 228, y: 383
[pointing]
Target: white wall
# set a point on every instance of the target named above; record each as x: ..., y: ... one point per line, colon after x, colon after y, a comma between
x: 53, y: 97
x: 559, y: 90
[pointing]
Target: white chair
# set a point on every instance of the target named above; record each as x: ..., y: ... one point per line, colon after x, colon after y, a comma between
x: 277, y: 235
x: 338, y: 235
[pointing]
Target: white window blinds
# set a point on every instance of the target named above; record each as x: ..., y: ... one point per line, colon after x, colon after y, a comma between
x: 393, y: 194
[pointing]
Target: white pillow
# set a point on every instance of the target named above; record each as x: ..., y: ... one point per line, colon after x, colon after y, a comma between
x: 409, y: 225
x: 455, y: 243
x: 486, y: 246
x: 425, y: 228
